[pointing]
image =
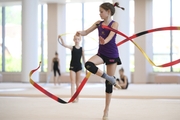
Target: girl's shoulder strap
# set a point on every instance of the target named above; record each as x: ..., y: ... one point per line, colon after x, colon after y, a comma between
x: 99, y: 24
x: 72, y: 49
x: 54, y: 59
x: 110, y: 24
x: 81, y: 49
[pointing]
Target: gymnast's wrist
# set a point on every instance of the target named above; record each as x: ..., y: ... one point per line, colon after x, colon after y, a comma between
x: 105, y: 42
x: 59, y: 36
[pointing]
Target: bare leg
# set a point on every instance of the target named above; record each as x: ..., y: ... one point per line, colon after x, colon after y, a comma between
x: 55, y: 80
x: 122, y: 84
x: 107, y: 103
x: 97, y: 60
x: 59, y: 79
x: 78, y: 79
x: 59, y: 76
x: 110, y: 71
x: 72, y: 77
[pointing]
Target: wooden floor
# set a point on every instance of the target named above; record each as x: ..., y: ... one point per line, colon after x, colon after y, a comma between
x: 20, y: 101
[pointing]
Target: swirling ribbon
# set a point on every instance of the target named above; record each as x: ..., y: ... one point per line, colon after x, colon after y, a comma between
x: 52, y: 95
x: 87, y: 76
x: 143, y: 33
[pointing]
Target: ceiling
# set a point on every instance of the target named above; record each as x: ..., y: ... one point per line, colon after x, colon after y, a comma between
x: 11, y: 2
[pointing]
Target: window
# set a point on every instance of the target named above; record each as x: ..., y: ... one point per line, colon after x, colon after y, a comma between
x: 170, y: 49
x: 175, y: 34
x: 73, y: 24
x: 131, y: 16
x: 13, y: 42
x: 1, y: 38
x: 42, y: 38
x: 161, y: 51
x: 13, y: 38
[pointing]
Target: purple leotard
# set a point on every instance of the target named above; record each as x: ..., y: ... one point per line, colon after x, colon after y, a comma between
x: 109, y: 49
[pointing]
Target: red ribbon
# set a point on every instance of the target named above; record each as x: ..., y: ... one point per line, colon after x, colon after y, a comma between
x: 54, y: 97
x: 87, y: 76
x: 143, y: 33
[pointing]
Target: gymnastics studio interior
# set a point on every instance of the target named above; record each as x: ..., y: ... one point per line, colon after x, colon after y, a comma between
x: 150, y: 56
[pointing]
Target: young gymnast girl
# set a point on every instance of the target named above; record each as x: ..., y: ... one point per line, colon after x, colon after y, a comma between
x: 123, y: 81
x: 75, y: 65
x: 55, y: 68
x: 107, y: 52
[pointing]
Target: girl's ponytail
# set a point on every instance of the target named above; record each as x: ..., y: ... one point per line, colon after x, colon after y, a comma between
x: 116, y: 4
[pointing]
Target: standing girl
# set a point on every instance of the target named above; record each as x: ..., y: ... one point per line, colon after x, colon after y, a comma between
x: 55, y: 68
x: 75, y: 65
x: 108, y: 51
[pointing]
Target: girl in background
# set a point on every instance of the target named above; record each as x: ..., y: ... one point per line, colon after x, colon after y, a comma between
x: 123, y: 81
x: 55, y: 68
x: 77, y: 53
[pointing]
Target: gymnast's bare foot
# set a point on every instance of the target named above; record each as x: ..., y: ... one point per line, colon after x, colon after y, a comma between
x: 105, y: 116
x: 117, y: 85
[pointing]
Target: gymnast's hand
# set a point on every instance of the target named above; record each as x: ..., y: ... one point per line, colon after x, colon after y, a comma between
x: 59, y: 36
x: 78, y: 33
x: 101, y: 40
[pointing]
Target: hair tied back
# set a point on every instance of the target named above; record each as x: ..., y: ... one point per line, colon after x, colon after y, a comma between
x: 116, y: 4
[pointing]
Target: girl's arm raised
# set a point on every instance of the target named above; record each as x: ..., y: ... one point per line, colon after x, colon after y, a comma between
x: 63, y: 44
x: 86, y: 32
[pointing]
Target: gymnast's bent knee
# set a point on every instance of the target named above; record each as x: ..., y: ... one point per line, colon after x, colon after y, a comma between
x: 90, y: 66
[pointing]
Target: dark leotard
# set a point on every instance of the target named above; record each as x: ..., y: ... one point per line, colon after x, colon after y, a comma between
x: 56, y: 66
x: 76, y: 55
x: 122, y: 79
